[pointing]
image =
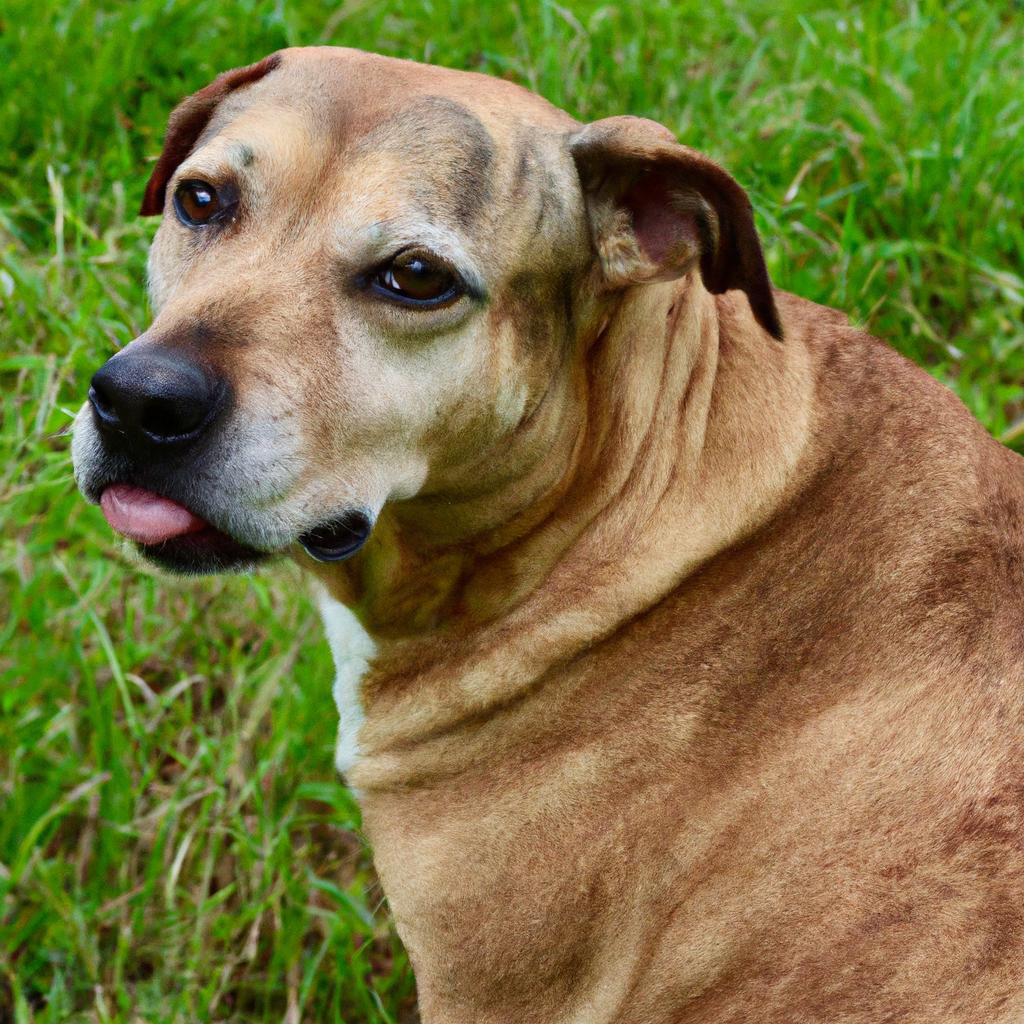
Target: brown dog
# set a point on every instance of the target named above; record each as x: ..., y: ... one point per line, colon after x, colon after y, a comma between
x: 694, y: 634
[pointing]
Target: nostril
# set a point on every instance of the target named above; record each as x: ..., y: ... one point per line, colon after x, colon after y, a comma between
x: 169, y: 417
x: 102, y: 402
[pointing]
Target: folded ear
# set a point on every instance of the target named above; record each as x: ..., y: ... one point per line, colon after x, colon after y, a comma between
x: 187, y: 121
x: 657, y: 209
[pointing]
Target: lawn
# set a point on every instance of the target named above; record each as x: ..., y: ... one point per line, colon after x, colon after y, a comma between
x: 174, y: 844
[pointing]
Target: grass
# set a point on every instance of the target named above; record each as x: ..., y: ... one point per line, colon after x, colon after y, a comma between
x: 174, y: 845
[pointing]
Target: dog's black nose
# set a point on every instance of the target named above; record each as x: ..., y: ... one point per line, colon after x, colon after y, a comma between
x: 154, y: 397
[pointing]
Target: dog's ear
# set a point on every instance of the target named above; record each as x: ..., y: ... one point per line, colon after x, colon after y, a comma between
x: 187, y: 121
x: 657, y: 209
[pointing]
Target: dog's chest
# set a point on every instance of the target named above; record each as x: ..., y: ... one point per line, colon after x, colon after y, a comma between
x: 352, y: 649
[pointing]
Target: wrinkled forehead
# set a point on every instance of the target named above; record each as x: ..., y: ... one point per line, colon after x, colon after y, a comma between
x: 453, y: 144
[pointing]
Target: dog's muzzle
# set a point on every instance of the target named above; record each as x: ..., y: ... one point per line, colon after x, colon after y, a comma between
x: 153, y: 408
x: 156, y: 473
x: 154, y: 402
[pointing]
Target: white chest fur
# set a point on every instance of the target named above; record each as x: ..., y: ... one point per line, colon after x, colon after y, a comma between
x: 352, y: 649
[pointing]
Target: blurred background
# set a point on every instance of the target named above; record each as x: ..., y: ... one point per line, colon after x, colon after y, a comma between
x: 174, y: 844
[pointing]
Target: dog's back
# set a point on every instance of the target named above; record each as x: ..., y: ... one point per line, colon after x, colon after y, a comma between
x: 868, y: 654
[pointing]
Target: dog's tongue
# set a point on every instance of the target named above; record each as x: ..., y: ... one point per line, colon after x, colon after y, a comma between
x: 146, y: 517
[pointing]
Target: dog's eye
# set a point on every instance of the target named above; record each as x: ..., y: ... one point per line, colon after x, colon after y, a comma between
x: 198, y: 203
x: 418, y: 279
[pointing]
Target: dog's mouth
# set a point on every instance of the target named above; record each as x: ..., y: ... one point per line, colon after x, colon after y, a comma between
x: 338, y: 539
x: 171, y: 535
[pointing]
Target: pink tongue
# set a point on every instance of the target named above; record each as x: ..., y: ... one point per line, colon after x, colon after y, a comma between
x: 146, y: 517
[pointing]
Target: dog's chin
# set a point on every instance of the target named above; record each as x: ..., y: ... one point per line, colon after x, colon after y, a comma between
x: 202, y: 553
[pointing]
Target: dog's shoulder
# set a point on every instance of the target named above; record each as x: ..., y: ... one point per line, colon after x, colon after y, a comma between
x: 908, y: 511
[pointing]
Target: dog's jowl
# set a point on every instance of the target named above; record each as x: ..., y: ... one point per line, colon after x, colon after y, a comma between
x: 678, y: 623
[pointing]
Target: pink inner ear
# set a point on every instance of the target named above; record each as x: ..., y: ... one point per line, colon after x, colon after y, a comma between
x: 667, y: 236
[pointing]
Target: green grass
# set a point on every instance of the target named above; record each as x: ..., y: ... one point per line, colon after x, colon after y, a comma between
x: 174, y: 845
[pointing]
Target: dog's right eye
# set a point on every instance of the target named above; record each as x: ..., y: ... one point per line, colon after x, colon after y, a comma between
x: 417, y: 278
x: 198, y: 203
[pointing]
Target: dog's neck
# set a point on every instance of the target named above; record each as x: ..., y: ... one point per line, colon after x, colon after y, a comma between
x: 634, y: 489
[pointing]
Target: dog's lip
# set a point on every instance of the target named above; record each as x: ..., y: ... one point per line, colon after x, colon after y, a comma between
x: 146, y: 517
x: 162, y: 525
x: 339, y: 538
x: 170, y: 534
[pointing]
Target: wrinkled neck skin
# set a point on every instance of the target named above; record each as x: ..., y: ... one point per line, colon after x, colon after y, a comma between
x: 624, y: 486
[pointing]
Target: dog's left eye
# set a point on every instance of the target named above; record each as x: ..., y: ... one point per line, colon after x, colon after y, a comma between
x: 418, y: 279
x: 198, y: 203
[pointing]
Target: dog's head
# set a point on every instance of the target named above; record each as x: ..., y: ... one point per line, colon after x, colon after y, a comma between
x: 368, y: 275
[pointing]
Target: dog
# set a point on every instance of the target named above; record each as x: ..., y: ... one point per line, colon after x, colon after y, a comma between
x: 678, y: 623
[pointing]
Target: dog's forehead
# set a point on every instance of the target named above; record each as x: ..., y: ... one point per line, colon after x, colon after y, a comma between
x: 353, y: 103
x: 373, y: 138
x: 375, y: 86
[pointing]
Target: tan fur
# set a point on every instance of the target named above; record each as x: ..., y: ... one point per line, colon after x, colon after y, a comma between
x: 698, y: 692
